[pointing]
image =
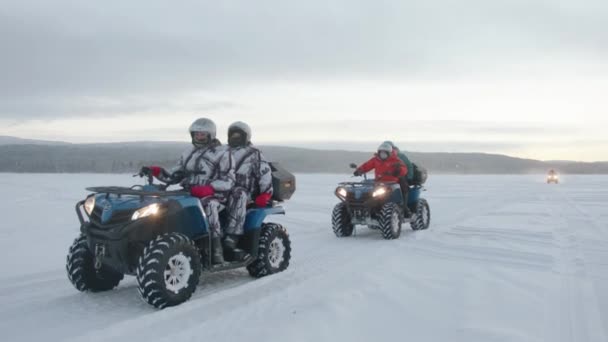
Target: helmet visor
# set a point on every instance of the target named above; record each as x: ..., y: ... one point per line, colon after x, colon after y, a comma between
x: 201, y: 137
x: 236, y: 138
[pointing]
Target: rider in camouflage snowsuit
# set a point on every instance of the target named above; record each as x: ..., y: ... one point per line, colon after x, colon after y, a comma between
x: 207, y: 170
x: 253, y: 180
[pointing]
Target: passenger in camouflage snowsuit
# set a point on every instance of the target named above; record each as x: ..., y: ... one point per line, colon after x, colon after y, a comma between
x: 253, y: 181
x: 207, y: 171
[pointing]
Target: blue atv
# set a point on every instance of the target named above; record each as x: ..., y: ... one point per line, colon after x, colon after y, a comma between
x: 379, y: 205
x: 162, y: 238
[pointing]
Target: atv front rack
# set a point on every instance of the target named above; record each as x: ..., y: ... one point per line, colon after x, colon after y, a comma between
x: 121, y: 190
x: 365, y: 183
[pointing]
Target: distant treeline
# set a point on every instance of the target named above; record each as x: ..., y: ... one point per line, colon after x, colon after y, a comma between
x: 129, y: 157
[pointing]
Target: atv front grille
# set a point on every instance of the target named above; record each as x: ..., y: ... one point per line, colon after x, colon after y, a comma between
x: 355, y: 198
x: 121, y: 216
x: 118, y: 216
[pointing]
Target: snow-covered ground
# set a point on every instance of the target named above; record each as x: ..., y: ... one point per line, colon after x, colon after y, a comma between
x: 507, y: 258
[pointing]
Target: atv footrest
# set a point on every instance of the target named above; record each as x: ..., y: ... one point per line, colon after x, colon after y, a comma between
x: 235, y: 255
x: 231, y: 265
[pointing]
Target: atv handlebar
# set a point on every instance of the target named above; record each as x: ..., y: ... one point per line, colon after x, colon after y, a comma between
x: 145, y: 172
x: 354, y: 166
x: 168, y: 179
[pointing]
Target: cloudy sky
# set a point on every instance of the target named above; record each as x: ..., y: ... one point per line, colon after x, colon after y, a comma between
x: 527, y: 78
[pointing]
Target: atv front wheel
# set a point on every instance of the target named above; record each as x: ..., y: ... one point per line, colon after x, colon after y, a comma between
x: 274, y: 251
x: 341, y: 221
x: 82, y: 272
x: 390, y: 221
x: 422, y: 215
x: 169, y: 270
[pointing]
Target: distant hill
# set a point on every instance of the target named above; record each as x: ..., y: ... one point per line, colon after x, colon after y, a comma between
x: 6, y: 140
x: 34, y: 156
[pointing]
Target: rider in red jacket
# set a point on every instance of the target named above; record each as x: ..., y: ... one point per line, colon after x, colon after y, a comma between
x: 386, y: 164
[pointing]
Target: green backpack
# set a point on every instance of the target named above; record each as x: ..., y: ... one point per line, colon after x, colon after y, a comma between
x: 419, y: 175
x: 409, y: 164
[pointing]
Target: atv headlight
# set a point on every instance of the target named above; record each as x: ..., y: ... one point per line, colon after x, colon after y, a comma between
x: 379, y: 192
x: 341, y: 192
x: 89, y: 204
x: 152, y: 209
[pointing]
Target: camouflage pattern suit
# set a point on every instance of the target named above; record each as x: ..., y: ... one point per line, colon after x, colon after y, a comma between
x: 253, y: 178
x: 209, y: 165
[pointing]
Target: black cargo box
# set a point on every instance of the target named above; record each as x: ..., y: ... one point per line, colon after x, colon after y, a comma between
x: 420, y: 175
x: 283, y: 182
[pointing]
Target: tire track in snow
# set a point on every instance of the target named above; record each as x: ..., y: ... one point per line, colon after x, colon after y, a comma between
x: 585, y: 321
x: 211, y: 308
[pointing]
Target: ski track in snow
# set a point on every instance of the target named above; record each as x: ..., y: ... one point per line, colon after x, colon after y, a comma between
x: 507, y: 258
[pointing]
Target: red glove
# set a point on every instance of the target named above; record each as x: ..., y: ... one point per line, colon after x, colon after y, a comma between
x: 156, y: 170
x: 201, y: 191
x: 262, y: 200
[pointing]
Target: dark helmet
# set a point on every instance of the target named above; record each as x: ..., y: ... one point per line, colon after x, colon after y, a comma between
x: 239, y: 134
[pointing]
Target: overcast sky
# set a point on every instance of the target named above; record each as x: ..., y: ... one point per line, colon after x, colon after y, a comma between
x: 526, y: 78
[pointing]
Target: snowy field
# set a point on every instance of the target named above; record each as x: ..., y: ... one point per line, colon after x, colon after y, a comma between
x: 507, y: 258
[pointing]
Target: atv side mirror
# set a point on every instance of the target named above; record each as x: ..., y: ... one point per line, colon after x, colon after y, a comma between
x: 353, y: 165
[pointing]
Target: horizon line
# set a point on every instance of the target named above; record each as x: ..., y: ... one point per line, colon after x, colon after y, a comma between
x: 288, y: 145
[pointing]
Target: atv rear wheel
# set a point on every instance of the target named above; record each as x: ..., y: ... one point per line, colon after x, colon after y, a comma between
x: 390, y: 221
x: 169, y: 270
x: 341, y: 221
x: 422, y: 215
x: 274, y: 251
x: 82, y: 272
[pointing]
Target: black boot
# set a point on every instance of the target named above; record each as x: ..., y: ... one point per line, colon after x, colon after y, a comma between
x: 217, y: 254
x: 231, y: 241
x: 407, y: 213
x: 405, y: 191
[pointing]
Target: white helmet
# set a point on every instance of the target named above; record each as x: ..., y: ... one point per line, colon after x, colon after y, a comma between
x: 385, y: 147
x: 242, y: 127
x: 203, y: 125
x: 392, y: 145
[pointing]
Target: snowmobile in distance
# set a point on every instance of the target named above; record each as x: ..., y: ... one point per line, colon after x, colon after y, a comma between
x: 162, y: 238
x: 552, y: 177
x: 379, y: 205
